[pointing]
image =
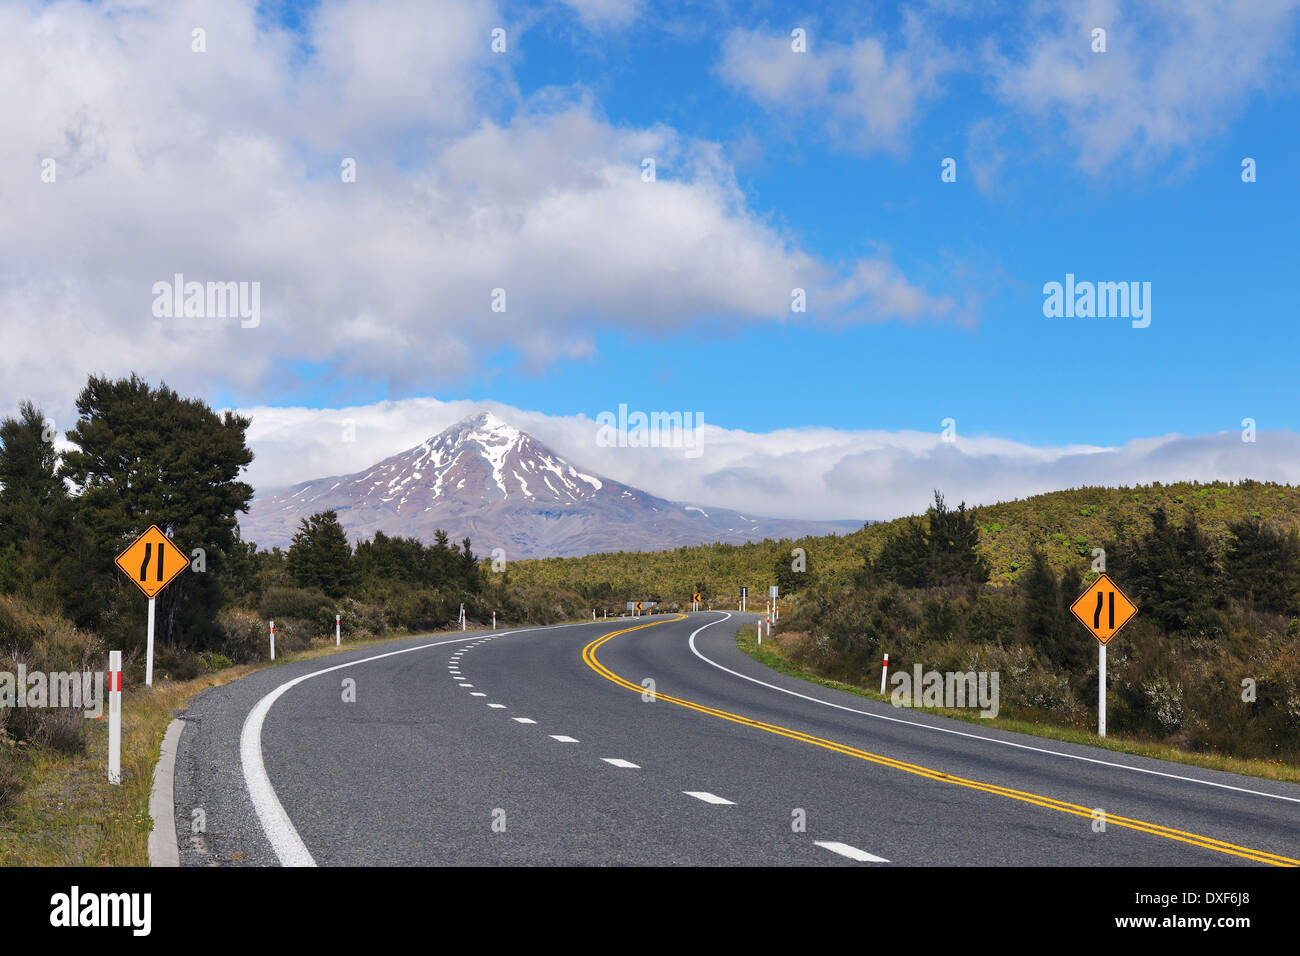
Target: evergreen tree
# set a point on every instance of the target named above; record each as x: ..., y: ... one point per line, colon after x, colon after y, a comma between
x: 148, y: 456
x: 954, y: 541
x: 320, y: 556
x: 39, y: 546
x: 941, y: 551
x: 1262, y: 564
x: 905, y: 556
x: 792, y: 573
x: 1171, y: 574
x: 1040, y: 604
x: 468, y: 568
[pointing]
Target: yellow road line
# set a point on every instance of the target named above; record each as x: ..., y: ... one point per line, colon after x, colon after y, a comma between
x: 1195, y: 839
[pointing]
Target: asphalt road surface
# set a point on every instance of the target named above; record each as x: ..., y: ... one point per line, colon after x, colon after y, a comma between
x: 547, y: 746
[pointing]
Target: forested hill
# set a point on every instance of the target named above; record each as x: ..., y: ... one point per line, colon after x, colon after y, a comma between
x: 1064, y: 525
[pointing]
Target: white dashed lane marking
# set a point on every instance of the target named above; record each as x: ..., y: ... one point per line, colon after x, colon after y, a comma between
x: 498, y: 706
x: 523, y: 720
x: 620, y: 762
x: 708, y: 797
x: 478, y: 694
x: 852, y: 852
x: 563, y: 739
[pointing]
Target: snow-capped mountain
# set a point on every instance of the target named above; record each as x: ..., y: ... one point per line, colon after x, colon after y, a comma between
x: 485, y: 479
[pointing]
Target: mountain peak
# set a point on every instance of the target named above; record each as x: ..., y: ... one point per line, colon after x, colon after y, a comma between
x: 484, y: 421
x: 482, y: 477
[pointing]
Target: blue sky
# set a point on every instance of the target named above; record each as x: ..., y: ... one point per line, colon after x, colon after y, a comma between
x: 1215, y: 249
x: 212, y: 139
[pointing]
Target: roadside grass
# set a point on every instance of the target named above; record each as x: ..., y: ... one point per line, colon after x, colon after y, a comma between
x: 770, y: 654
x: 68, y: 814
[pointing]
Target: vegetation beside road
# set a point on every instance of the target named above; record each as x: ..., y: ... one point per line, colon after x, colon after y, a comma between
x: 1064, y: 526
x: 1211, y: 664
x: 775, y: 652
x: 140, y: 455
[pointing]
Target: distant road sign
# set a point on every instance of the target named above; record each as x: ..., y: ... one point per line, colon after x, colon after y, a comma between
x: 638, y: 605
x: 697, y: 599
x: 744, y: 592
x: 152, y: 561
x: 1103, y: 609
x: 771, y: 591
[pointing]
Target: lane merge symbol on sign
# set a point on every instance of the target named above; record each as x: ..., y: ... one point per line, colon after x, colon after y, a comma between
x: 1103, y: 609
x: 152, y: 562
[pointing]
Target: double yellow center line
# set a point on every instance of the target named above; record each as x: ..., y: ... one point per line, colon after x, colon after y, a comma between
x: 1195, y: 839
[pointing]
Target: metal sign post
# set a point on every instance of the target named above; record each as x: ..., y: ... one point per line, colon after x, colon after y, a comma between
x: 152, y: 562
x: 1103, y: 609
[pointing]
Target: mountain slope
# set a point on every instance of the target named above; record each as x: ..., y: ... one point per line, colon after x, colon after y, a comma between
x: 1064, y: 525
x: 487, y: 480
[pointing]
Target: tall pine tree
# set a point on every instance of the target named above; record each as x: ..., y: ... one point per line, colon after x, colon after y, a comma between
x: 320, y: 556
x: 147, y: 456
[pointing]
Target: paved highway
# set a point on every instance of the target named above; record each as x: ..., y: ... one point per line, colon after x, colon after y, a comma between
x: 545, y: 746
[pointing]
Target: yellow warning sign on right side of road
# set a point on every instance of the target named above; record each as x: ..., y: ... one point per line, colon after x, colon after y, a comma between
x: 1103, y: 608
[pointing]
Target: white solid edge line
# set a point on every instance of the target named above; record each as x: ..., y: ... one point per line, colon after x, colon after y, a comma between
x: 279, y: 830
x: 852, y: 852
x: 961, y: 733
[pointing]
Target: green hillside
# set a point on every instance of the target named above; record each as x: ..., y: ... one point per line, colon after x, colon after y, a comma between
x: 1065, y: 525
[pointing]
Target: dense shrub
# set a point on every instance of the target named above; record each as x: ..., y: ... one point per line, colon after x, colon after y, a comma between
x: 304, y: 603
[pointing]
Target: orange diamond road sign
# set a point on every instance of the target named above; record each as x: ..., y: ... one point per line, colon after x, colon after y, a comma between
x: 1103, y: 608
x: 152, y: 561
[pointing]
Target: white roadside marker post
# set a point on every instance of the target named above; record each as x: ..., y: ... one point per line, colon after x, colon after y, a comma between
x: 148, y: 653
x: 337, y: 635
x: 1101, y: 690
x: 273, y: 640
x: 115, y: 716
x: 494, y: 620
x: 884, y: 670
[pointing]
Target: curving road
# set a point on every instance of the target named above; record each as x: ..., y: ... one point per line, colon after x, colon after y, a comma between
x: 545, y: 746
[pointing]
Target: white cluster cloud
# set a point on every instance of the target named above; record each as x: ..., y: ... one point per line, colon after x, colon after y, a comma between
x: 226, y: 165
x: 815, y: 473
x: 600, y: 14
x: 1173, y: 75
x: 869, y: 95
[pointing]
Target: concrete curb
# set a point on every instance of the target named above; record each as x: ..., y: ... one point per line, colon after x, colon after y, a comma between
x: 163, y: 850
